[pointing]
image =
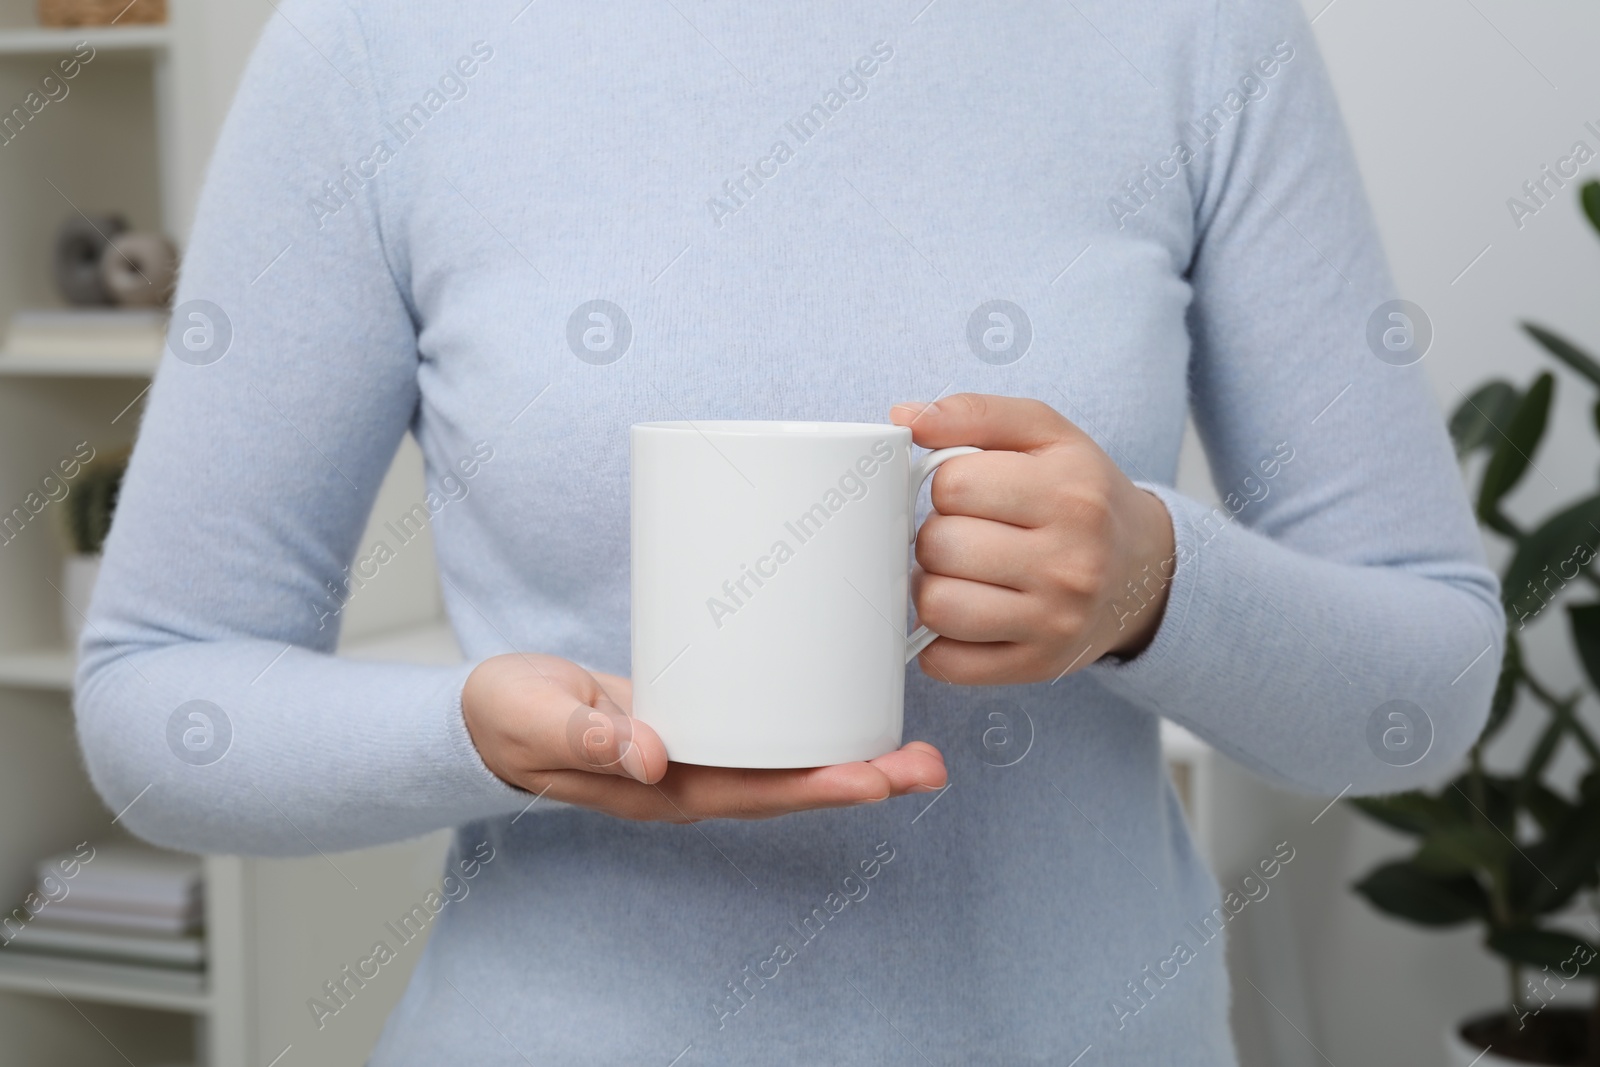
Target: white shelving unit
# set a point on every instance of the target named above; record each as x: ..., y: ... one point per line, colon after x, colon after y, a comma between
x: 44, y: 668
x: 132, y: 136
x: 106, y: 983
x: 27, y: 365
x: 51, y: 42
x: 249, y: 1005
x: 126, y: 138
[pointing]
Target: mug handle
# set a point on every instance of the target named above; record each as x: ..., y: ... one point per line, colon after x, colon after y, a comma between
x: 922, y: 637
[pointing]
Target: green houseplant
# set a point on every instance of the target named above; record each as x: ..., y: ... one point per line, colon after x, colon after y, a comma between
x: 90, y: 502
x: 93, y: 500
x: 1508, y: 851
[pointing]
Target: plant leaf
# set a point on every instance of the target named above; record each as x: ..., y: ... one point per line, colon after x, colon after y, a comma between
x: 1513, y: 452
x: 1410, y: 813
x: 1565, y: 536
x: 1562, y: 862
x: 1505, y: 689
x: 1402, y: 890
x: 1565, y: 351
x: 1484, y: 416
x: 1543, y: 750
x: 1462, y: 850
x: 1548, y: 808
x: 1585, y: 620
x: 1542, y: 948
x: 1476, y: 797
x: 1590, y: 198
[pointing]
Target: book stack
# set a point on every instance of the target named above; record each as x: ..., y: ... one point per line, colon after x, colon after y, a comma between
x: 129, y: 903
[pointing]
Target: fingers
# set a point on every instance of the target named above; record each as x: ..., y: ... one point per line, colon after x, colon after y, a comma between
x: 603, y: 739
x: 535, y: 671
x: 721, y: 792
x: 915, y: 768
x: 714, y: 792
x: 550, y: 727
x: 618, y: 688
x: 1012, y: 424
x: 690, y: 793
x: 989, y: 663
x: 528, y: 714
x: 976, y: 549
x: 973, y: 611
x: 1003, y: 486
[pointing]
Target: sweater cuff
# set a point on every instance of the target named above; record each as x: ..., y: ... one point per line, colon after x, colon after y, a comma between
x: 1160, y: 672
x: 476, y: 779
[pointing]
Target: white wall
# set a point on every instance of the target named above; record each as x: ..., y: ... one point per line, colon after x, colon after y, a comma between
x: 1451, y: 107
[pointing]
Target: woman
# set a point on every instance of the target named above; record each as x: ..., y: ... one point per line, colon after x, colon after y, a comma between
x: 1071, y: 225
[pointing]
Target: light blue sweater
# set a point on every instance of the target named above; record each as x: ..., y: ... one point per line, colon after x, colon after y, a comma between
x: 797, y: 208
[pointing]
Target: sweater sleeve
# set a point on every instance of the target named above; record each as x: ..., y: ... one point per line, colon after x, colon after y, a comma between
x: 207, y: 697
x: 1341, y: 582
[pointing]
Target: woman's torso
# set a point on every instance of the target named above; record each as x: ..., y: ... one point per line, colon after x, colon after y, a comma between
x: 976, y: 163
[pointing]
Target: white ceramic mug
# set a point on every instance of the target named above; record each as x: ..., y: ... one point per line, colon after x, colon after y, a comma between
x: 769, y: 576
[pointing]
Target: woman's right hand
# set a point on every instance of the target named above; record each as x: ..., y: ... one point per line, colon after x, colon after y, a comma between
x: 548, y: 726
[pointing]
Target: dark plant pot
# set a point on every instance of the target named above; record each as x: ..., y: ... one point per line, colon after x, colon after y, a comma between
x: 1556, y: 1037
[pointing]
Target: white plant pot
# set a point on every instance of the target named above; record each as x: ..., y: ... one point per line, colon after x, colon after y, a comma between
x: 1461, y: 1054
x: 78, y: 574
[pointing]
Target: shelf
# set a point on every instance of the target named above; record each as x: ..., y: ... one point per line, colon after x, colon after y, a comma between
x: 104, y: 983
x: 23, y: 365
x: 40, y: 668
x: 41, y: 40
x: 84, y: 342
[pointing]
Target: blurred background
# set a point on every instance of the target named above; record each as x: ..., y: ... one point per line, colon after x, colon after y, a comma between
x: 147, y: 959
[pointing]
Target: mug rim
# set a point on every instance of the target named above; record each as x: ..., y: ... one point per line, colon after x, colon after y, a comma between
x: 771, y: 428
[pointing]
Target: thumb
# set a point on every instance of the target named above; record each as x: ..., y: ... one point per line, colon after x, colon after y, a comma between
x: 602, y: 738
x: 996, y: 423
x: 575, y: 724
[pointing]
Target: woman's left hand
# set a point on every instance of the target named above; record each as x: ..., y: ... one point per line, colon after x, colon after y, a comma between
x: 1041, y: 556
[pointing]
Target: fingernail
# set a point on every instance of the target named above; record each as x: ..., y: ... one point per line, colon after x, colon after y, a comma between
x: 919, y: 409
x: 925, y: 789
x: 633, y: 761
